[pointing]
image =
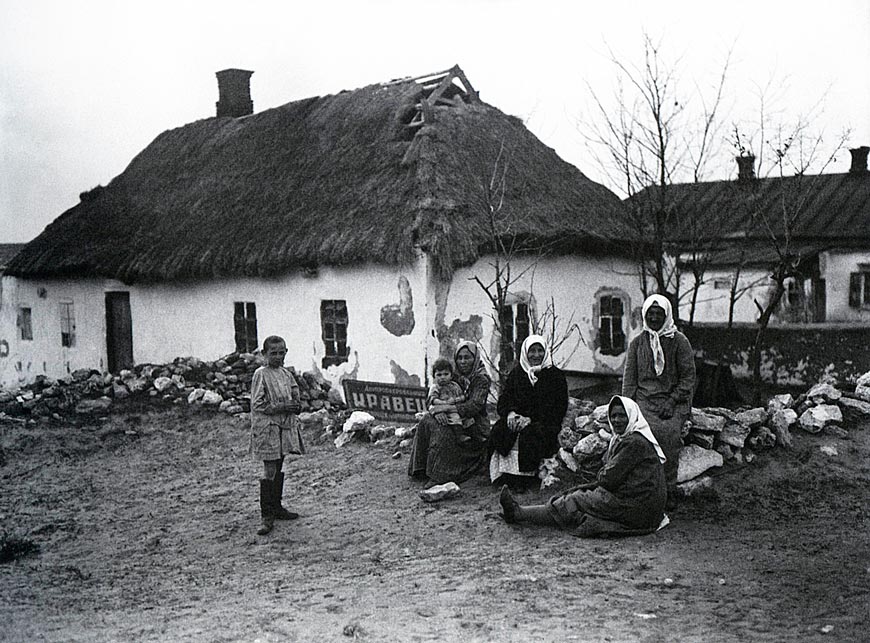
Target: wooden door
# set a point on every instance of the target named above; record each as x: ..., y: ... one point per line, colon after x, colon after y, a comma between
x: 119, y: 331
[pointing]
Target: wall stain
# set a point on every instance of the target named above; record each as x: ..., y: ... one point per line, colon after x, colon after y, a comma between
x: 401, y: 376
x: 450, y: 336
x: 398, y: 319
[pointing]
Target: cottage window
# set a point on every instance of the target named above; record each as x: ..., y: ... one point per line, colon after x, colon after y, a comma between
x: 722, y: 283
x: 611, y: 336
x: 67, y: 324
x: 25, y: 323
x: 245, y: 325
x: 859, y: 288
x: 794, y: 294
x: 514, y: 323
x: 333, y: 324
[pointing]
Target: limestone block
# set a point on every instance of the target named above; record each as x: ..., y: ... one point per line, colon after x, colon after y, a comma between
x: 584, y: 424
x: 753, y: 417
x: 824, y: 393
x: 358, y: 421
x: 404, y: 432
x: 854, y: 407
x: 703, y: 421
x: 568, y: 438
x: 780, y: 402
x: 734, y: 434
x: 211, y: 398
x: 568, y: 459
x: 780, y: 422
x: 162, y: 383
x: 195, y: 395
x: 695, y: 460
x: 440, y: 492
x: 119, y: 391
x: 592, y: 445
x: 93, y: 406
x: 814, y: 419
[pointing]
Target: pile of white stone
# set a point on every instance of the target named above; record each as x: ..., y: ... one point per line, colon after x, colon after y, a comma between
x: 714, y: 436
x: 222, y: 385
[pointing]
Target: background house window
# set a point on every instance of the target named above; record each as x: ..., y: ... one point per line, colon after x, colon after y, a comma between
x: 514, y: 323
x: 25, y: 323
x: 333, y: 325
x: 722, y: 283
x: 859, y: 288
x: 67, y: 324
x: 245, y: 325
x: 611, y: 337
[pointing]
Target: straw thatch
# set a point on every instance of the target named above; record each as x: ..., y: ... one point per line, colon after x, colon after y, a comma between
x: 333, y: 180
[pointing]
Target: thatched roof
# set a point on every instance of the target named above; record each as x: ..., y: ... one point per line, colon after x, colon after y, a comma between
x: 7, y: 252
x: 332, y: 180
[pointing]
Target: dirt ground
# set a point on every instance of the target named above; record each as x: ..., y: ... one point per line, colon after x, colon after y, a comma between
x: 146, y: 522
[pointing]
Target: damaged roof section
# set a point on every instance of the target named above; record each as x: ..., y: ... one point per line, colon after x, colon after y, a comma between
x: 330, y: 180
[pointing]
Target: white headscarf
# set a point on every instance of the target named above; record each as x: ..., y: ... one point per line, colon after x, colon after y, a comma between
x: 667, y: 330
x: 636, y: 424
x: 532, y: 371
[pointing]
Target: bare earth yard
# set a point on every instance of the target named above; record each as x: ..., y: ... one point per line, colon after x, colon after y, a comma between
x: 146, y: 524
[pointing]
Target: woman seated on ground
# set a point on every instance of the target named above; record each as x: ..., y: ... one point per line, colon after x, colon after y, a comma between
x: 629, y: 495
x: 531, y: 406
x: 437, y: 453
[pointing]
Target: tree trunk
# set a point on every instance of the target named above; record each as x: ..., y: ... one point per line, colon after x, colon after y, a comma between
x: 763, y: 322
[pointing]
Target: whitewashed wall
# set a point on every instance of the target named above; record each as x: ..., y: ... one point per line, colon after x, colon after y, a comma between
x: 44, y: 354
x: 712, y: 302
x: 835, y: 268
x: 573, y: 282
x: 196, y: 319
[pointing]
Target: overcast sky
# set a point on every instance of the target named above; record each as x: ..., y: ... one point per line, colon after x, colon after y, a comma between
x: 85, y: 85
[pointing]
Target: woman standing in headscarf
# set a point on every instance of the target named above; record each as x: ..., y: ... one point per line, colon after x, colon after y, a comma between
x: 531, y: 405
x: 436, y: 453
x: 628, y: 498
x: 660, y: 376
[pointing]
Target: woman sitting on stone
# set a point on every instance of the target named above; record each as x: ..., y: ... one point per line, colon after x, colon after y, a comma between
x: 660, y: 376
x: 436, y: 453
x: 532, y: 403
x: 629, y: 495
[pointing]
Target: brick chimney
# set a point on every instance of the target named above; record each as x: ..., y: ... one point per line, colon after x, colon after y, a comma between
x: 234, y: 93
x: 745, y: 167
x: 859, y: 160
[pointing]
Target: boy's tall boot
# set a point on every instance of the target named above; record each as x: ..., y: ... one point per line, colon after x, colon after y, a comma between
x: 279, y: 512
x: 266, y: 507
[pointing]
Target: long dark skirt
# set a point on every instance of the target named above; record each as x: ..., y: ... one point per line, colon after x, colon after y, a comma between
x: 436, y: 454
x: 595, y: 512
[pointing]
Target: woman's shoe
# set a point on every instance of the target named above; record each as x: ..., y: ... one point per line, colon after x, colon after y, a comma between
x: 508, y: 505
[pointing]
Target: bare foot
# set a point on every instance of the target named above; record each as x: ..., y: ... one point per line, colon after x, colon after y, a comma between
x: 509, y: 506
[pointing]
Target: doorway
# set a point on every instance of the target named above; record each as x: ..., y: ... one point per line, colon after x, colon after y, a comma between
x: 119, y: 331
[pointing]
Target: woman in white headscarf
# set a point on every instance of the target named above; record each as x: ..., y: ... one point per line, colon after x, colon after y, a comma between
x: 628, y: 497
x: 660, y: 376
x: 531, y: 405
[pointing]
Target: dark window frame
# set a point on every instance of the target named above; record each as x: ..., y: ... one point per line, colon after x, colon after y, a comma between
x: 611, y: 324
x: 334, y: 321
x: 24, y: 321
x: 245, y: 326
x: 67, y: 324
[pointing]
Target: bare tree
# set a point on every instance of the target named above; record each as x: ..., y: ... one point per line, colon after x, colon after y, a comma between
x: 651, y: 134
x: 795, y: 149
x: 513, y: 262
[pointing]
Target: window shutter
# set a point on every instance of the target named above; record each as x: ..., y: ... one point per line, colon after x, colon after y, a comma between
x: 855, y: 290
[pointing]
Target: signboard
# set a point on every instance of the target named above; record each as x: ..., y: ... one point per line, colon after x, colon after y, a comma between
x: 385, y: 401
